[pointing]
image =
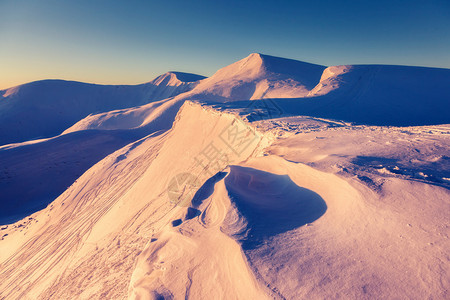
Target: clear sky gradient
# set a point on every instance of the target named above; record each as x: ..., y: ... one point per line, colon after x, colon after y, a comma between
x: 130, y: 42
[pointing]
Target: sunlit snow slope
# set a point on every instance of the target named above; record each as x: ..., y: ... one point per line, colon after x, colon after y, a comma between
x: 260, y: 76
x: 366, y: 94
x: 46, y: 108
x: 254, y: 77
x: 251, y: 184
x: 125, y: 192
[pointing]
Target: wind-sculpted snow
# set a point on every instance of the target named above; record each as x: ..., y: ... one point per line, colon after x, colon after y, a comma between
x: 118, y: 194
x: 271, y: 204
x: 253, y: 184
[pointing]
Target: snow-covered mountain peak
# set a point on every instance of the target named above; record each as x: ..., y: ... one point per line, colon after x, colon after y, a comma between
x: 48, y: 107
x: 250, y: 67
x: 176, y: 79
x: 261, y: 76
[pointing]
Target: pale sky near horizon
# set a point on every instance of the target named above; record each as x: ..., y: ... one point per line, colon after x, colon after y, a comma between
x: 130, y: 42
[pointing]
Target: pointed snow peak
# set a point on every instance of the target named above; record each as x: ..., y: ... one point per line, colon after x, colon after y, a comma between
x: 255, y: 57
x: 259, y: 58
x: 253, y: 60
x: 260, y: 76
x: 176, y: 78
x: 282, y: 65
x: 257, y: 65
x: 246, y: 68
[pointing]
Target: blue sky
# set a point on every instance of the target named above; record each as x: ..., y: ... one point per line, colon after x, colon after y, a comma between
x: 134, y: 41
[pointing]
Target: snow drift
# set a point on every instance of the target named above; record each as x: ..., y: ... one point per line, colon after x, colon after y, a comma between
x: 101, y: 203
x: 173, y: 198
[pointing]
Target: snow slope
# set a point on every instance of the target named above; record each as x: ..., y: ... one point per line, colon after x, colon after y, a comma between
x: 130, y: 184
x: 378, y: 95
x: 367, y: 94
x: 131, y: 118
x: 185, y: 199
x: 161, y: 218
x: 254, y: 77
x: 47, y: 167
x: 32, y: 176
x: 259, y: 76
x: 46, y: 108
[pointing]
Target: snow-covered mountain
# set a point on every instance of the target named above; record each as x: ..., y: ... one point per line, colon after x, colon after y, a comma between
x: 260, y: 76
x: 371, y: 94
x: 46, y: 108
x: 366, y: 94
x: 250, y: 184
x: 382, y: 95
x: 254, y: 77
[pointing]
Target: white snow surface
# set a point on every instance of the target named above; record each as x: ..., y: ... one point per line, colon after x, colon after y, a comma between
x: 259, y: 76
x: 46, y: 108
x: 272, y: 179
x: 365, y: 94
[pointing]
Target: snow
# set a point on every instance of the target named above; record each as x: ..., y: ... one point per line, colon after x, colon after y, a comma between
x: 271, y: 205
x: 367, y: 94
x: 374, y: 95
x: 259, y: 76
x: 46, y: 108
x: 255, y: 183
x: 32, y: 176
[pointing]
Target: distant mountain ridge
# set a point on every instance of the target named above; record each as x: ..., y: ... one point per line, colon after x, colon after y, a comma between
x: 191, y: 188
x: 48, y: 107
x: 378, y: 95
x: 375, y: 94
